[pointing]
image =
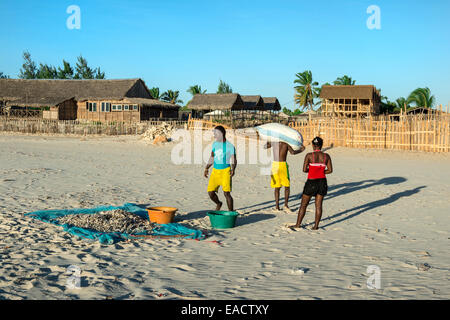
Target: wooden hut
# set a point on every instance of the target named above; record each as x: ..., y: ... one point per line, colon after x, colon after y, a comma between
x: 253, y: 108
x: 253, y: 103
x: 271, y: 104
x: 350, y: 101
x: 227, y: 102
x: 95, y: 100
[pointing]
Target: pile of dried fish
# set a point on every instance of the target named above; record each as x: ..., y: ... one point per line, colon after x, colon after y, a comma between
x: 163, y: 132
x: 109, y: 221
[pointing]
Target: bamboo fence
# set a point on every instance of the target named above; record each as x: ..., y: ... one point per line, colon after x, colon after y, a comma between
x: 77, y: 127
x: 200, y: 124
x: 412, y: 132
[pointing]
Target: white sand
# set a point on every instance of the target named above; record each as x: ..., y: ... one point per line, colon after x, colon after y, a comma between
x: 384, y: 208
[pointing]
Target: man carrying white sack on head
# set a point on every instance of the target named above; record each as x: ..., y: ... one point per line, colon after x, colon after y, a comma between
x: 280, y: 172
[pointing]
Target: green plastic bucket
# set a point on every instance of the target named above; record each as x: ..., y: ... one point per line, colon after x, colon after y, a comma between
x: 223, y: 219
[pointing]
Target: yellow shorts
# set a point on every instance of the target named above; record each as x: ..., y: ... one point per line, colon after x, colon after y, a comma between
x: 220, y: 177
x: 279, y: 175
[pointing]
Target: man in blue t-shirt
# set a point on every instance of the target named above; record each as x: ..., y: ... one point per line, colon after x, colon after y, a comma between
x: 223, y: 156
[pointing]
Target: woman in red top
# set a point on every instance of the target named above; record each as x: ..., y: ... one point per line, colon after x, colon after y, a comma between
x: 317, y: 164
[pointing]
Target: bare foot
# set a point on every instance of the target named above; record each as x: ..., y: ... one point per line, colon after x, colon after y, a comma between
x: 219, y: 205
x: 315, y: 228
x: 277, y: 210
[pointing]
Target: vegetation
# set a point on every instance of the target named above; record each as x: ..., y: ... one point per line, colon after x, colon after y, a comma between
x: 421, y: 97
x: 154, y: 93
x: 306, y: 90
x: 344, y: 81
x: 224, y: 88
x: 171, y: 96
x: 82, y: 70
x: 3, y: 76
x: 193, y: 90
x: 291, y: 113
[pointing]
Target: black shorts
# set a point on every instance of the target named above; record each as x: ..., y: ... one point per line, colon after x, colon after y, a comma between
x: 314, y: 187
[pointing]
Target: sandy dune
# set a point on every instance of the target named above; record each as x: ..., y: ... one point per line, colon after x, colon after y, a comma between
x: 384, y: 208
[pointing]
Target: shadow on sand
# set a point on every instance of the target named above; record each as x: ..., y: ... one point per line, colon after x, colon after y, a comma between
x: 368, y: 206
x: 333, y: 191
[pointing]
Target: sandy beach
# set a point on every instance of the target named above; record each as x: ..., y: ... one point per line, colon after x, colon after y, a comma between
x: 383, y: 208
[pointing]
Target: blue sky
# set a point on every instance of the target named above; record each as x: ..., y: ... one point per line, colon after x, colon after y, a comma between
x: 255, y: 46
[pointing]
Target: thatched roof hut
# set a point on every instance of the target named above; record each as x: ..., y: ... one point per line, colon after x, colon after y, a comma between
x: 271, y: 103
x: 253, y: 102
x: 350, y: 92
x: 119, y: 99
x: 350, y: 101
x: 212, y: 101
x: 43, y: 92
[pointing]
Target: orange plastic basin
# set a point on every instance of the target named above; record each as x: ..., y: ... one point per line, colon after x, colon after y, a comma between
x: 161, y: 215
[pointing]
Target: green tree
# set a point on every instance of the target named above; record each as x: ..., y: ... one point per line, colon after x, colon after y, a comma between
x: 193, y: 90
x: 400, y: 103
x: 422, y: 97
x: 344, y: 81
x: 154, y: 93
x: 387, y: 106
x: 66, y: 72
x: 3, y: 76
x: 224, y: 88
x: 99, y: 74
x: 82, y: 70
x: 46, y: 71
x: 171, y: 96
x: 306, y: 90
x: 287, y: 111
x: 29, y: 69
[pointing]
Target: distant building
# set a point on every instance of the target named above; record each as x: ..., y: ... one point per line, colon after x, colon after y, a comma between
x: 253, y: 103
x: 271, y: 104
x: 350, y: 101
x: 205, y: 103
x: 94, y: 100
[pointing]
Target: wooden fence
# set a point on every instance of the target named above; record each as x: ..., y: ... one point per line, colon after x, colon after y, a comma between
x: 81, y: 127
x: 200, y: 124
x: 415, y: 132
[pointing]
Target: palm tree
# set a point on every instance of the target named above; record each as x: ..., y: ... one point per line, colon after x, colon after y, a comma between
x: 171, y: 96
x: 421, y: 97
x: 344, y: 81
x: 154, y: 93
x: 196, y: 90
x: 401, y: 102
x: 306, y: 90
x: 224, y: 88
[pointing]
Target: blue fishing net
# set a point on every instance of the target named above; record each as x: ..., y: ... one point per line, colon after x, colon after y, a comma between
x: 171, y: 229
